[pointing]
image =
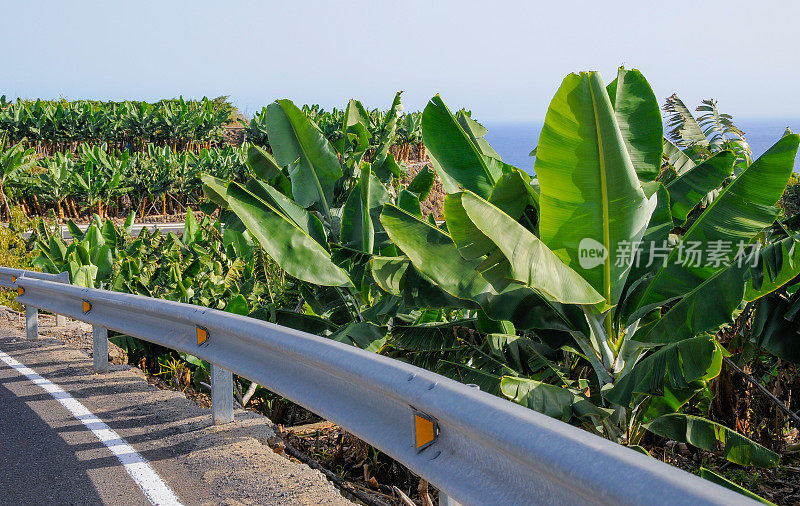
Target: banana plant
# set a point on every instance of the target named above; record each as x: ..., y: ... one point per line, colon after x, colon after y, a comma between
x: 101, y: 176
x: 14, y: 162
x: 557, y: 262
x: 314, y: 208
x: 91, y: 255
x: 55, y: 183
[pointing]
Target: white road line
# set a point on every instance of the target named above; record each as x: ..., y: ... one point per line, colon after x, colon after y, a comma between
x: 156, y: 490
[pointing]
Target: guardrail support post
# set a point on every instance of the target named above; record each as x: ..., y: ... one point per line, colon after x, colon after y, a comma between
x: 221, y: 395
x: 31, y: 323
x: 100, y: 348
x: 61, y: 320
x: 446, y: 500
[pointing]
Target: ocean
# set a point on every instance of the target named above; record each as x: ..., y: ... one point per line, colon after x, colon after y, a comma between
x: 514, y: 141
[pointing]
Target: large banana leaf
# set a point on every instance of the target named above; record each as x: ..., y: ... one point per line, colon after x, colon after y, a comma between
x: 779, y: 264
x: 422, y: 183
x: 687, y: 190
x: 382, y: 158
x: 262, y: 163
x: 744, y: 208
x: 289, y: 245
x: 307, y: 222
x: 361, y: 227
x: 776, y: 327
x: 639, y: 118
x: 685, y: 127
x: 513, y: 193
x: 679, y: 160
x: 294, y: 138
x: 711, y: 476
x: 591, y: 198
x: 433, y: 252
x: 267, y: 169
x: 354, y: 126
x: 658, y: 230
x: 550, y: 400
x: 215, y: 189
x: 676, y: 364
x: 397, y: 276
x: 476, y: 133
x: 704, y: 309
x: 456, y: 158
x: 487, y: 229
x: 437, y: 263
x: 710, y: 435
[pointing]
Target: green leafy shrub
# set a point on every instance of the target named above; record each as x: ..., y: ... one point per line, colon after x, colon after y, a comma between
x: 14, y: 251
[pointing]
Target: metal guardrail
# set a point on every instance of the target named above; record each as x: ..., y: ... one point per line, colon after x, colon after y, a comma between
x: 473, y: 446
x: 165, y: 227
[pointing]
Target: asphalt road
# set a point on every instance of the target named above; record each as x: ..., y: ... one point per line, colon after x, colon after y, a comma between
x: 51, y: 452
x: 47, y: 459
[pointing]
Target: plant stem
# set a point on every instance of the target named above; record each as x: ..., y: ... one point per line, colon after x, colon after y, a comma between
x: 764, y: 391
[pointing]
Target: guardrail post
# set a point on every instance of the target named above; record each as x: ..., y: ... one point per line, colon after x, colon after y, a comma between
x: 31, y: 323
x: 61, y: 320
x: 100, y: 348
x: 221, y: 395
x: 446, y: 500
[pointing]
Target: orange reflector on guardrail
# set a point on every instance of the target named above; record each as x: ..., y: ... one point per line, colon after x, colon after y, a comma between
x: 21, y: 290
x: 202, y: 335
x: 425, y: 430
x: 87, y: 306
x: 13, y: 279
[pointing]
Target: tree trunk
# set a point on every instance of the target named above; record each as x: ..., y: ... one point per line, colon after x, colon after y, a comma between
x: 5, y: 203
x: 36, y: 205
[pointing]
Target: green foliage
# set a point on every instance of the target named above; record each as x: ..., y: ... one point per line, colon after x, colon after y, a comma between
x: 125, y: 123
x: 14, y: 252
x: 500, y: 295
x: 408, y: 126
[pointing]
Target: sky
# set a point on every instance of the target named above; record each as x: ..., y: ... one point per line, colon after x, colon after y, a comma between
x: 503, y: 60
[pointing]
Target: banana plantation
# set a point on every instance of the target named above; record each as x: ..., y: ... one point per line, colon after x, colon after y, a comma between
x: 642, y: 285
x: 72, y: 159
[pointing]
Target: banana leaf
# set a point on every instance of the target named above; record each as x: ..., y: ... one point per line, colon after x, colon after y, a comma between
x: 487, y: 228
x: 639, y: 118
x: 459, y: 162
x: 744, y: 208
x: 711, y: 436
x: 299, y: 144
x: 677, y: 365
x: 713, y: 477
x: 688, y: 189
x: 551, y: 400
x: 288, y: 244
x: 591, y: 199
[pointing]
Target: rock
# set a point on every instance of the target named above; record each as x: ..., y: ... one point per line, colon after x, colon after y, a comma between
x: 116, y: 355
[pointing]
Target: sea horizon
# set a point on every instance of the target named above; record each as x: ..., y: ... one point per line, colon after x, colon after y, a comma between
x: 515, y: 140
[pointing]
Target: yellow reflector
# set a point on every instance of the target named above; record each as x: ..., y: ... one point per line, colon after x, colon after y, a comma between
x: 202, y: 335
x: 87, y: 306
x: 20, y: 290
x: 424, y: 431
x: 13, y: 279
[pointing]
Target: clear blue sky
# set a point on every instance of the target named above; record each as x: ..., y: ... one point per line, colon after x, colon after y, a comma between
x: 503, y: 60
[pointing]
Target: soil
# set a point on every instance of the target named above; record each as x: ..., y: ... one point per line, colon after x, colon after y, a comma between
x: 435, y: 202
